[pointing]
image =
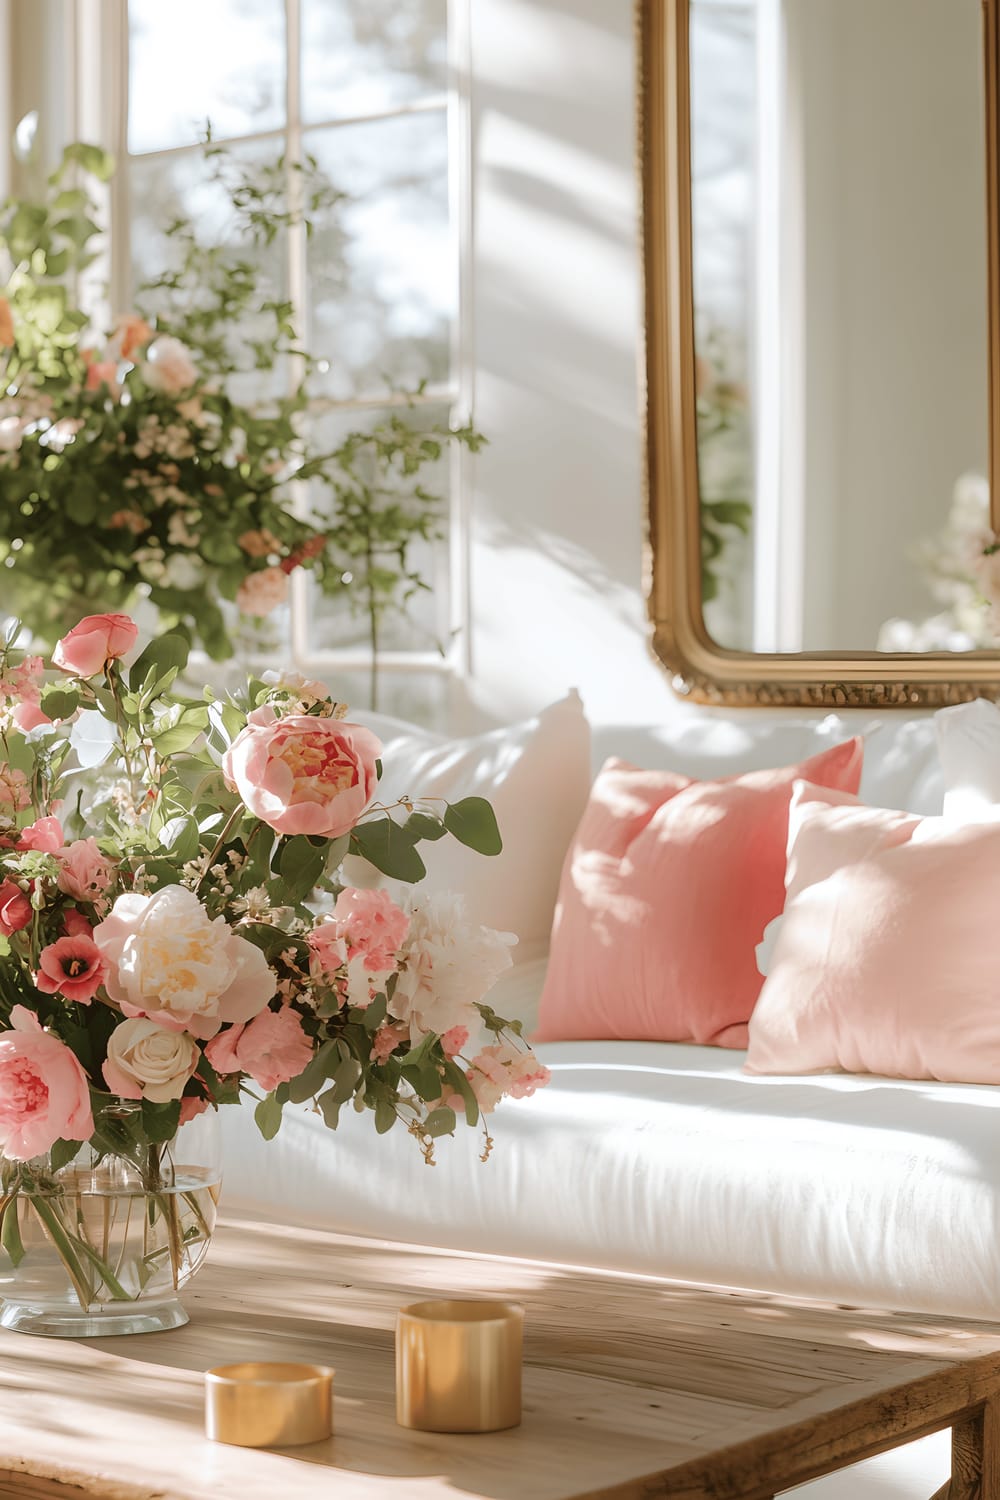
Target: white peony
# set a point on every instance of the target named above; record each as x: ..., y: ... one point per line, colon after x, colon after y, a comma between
x: 449, y: 964
x: 169, y: 961
x: 147, y: 1061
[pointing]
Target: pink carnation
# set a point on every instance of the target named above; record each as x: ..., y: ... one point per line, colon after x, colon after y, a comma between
x: 73, y: 967
x: 44, y: 1095
x: 15, y: 908
x: 85, y: 874
x: 302, y: 774
x: 273, y: 1048
x: 386, y: 1040
x: 373, y: 925
x: 454, y: 1040
x: 505, y: 1069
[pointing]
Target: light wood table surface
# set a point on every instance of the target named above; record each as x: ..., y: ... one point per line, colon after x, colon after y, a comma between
x: 634, y: 1388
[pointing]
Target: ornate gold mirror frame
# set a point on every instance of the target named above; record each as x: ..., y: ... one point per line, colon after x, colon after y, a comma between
x: 701, y: 669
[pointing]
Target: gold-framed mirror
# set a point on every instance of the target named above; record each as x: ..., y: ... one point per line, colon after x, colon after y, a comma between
x: 821, y: 242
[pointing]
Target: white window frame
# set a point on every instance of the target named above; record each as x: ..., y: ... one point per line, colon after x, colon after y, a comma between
x: 98, y: 46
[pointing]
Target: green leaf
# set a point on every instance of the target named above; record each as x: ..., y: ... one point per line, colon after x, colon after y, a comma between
x: 165, y: 653
x: 385, y: 1116
x: 93, y: 159
x: 160, y: 1121
x: 60, y: 703
x: 421, y: 825
x: 62, y: 1153
x: 456, y: 1077
x: 10, y: 1231
x: 322, y: 1066
x: 180, y: 835
x: 182, y: 735
x: 384, y: 844
x: 473, y: 822
x: 330, y: 1107
x: 300, y: 865
x: 440, y: 1122
x: 268, y: 1117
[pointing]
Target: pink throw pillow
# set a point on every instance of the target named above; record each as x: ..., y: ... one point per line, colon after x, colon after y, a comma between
x: 889, y: 949
x: 665, y: 893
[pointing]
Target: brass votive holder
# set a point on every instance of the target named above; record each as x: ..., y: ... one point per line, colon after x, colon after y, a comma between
x: 458, y: 1366
x: 257, y: 1405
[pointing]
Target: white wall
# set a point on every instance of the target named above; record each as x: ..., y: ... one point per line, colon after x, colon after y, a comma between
x: 557, y: 553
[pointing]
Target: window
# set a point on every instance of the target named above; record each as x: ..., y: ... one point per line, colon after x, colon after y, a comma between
x: 369, y: 89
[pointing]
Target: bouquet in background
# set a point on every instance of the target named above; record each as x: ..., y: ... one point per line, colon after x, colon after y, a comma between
x: 175, y: 934
x: 128, y: 466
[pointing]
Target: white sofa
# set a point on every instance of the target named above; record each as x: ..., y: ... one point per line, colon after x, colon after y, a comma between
x: 668, y: 1160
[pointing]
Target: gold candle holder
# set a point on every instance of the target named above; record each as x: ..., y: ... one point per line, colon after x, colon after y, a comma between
x: 458, y: 1366
x: 257, y: 1405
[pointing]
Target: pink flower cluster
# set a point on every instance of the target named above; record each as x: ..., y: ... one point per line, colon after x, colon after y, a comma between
x: 21, y: 693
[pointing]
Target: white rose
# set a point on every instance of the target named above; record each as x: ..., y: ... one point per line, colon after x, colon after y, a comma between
x: 261, y: 592
x: 168, y: 367
x: 169, y: 961
x: 146, y: 1060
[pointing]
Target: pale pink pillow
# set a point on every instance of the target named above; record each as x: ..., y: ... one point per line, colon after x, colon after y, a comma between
x: 666, y: 890
x: 888, y: 957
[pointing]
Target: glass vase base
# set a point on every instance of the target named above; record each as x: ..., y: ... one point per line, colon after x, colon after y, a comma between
x: 93, y: 1323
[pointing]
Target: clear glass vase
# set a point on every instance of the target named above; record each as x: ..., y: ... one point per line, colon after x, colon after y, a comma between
x: 106, y: 1243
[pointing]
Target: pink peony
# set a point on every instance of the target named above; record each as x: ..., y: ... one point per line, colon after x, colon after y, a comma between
x: 273, y: 1048
x: 262, y: 592
x: 373, y: 925
x: 169, y: 961
x: 45, y: 834
x: 85, y: 873
x: 15, y: 908
x: 302, y: 774
x: 44, y: 1095
x: 168, y: 367
x: 73, y: 967
x: 97, y: 640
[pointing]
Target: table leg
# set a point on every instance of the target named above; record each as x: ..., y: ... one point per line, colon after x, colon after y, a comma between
x: 975, y: 1457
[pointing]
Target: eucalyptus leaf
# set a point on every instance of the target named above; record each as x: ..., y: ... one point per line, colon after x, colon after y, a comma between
x: 473, y: 822
x: 268, y: 1117
x: 384, y: 844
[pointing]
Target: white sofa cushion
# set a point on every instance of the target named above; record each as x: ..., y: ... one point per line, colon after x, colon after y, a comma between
x: 537, y: 776
x: 670, y: 1161
x: 968, y: 738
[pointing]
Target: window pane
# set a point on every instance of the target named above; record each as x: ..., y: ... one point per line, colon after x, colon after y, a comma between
x: 192, y: 60
x: 363, y: 56
x: 334, y: 623
x: 168, y: 188
x: 381, y: 269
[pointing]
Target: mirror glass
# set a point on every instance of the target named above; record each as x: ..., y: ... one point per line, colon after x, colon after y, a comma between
x: 841, y: 322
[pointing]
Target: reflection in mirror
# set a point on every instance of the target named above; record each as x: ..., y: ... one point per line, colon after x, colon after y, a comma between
x: 841, y: 323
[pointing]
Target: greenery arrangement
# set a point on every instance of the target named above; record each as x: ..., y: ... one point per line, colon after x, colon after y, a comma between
x: 725, y: 457
x: 127, y: 465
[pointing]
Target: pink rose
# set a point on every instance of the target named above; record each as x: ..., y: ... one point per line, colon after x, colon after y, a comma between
x: 45, y: 834
x: 373, y: 925
x: 170, y: 961
x: 191, y: 1108
x: 98, y: 639
x: 168, y: 366
x: 273, y: 1048
x: 73, y: 967
x: 85, y: 874
x: 44, y: 1095
x: 15, y: 908
x: 130, y: 333
x: 260, y: 593
x: 302, y: 774
x: 75, y: 924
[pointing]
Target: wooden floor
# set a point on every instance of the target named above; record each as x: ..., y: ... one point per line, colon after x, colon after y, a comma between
x: 634, y: 1389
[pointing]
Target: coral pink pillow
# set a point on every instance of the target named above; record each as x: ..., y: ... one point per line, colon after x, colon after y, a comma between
x: 666, y: 891
x: 888, y: 956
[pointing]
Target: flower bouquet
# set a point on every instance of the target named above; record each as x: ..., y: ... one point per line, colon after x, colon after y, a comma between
x: 175, y: 934
x: 131, y: 462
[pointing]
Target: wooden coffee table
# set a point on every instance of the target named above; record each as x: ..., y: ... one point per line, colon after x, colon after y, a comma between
x: 634, y: 1388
